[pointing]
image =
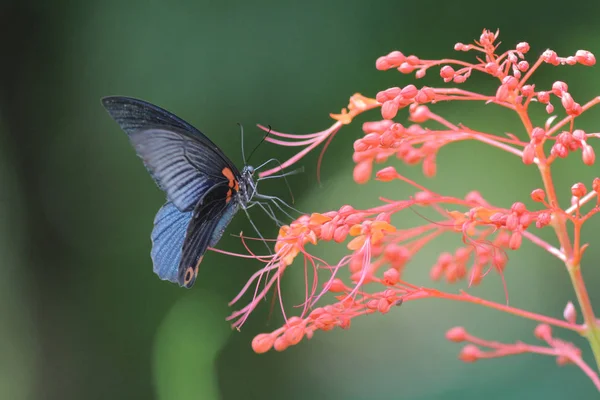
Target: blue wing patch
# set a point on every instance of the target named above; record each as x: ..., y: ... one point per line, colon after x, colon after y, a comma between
x: 168, y: 235
x: 224, y: 220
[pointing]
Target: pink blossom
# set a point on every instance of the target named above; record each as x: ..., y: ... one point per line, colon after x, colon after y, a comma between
x: 410, y: 128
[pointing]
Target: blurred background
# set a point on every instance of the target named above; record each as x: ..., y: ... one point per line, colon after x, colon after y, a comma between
x: 83, y: 316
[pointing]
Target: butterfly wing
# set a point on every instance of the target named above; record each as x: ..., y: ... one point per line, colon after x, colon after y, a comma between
x: 181, y: 159
x: 206, y: 227
x: 180, y: 239
x: 199, y: 180
x: 168, y: 235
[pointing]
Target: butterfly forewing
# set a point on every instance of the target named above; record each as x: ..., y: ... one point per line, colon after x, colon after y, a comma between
x: 183, y: 161
x: 201, y: 184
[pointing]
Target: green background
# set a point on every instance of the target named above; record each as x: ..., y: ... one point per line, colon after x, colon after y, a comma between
x: 83, y: 316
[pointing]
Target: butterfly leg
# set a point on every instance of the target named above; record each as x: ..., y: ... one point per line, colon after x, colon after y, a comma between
x: 257, y: 231
x: 276, y: 199
x: 266, y: 207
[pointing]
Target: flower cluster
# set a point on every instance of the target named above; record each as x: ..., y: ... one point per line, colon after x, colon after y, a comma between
x: 379, y: 251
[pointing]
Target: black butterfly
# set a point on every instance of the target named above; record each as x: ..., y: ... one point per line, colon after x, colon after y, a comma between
x: 204, y: 188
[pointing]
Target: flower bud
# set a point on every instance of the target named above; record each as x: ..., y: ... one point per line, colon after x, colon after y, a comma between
x: 457, y: 334
x: 538, y: 195
x: 570, y: 313
x: 469, y: 353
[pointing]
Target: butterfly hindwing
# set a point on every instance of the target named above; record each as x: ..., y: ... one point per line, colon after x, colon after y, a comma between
x: 205, y: 229
x: 168, y: 235
x: 183, y: 161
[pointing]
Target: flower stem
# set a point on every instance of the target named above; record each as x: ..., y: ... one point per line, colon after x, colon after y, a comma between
x: 467, y: 298
x: 591, y: 332
x: 572, y: 253
x: 558, y: 219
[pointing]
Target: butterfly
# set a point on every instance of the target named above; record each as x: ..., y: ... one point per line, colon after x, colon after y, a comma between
x: 204, y: 189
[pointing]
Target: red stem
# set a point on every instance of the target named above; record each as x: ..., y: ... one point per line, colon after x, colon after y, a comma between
x: 465, y: 297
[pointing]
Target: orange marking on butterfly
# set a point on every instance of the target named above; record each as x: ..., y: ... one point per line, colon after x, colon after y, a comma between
x: 192, y: 272
x: 233, y: 183
x: 188, y: 275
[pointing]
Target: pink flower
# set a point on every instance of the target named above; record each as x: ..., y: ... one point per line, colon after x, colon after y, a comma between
x: 379, y: 250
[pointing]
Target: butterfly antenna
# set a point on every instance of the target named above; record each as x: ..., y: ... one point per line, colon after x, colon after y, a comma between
x: 259, y: 143
x: 242, y: 133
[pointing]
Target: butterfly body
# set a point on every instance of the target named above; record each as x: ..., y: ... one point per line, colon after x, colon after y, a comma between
x: 204, y: 189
